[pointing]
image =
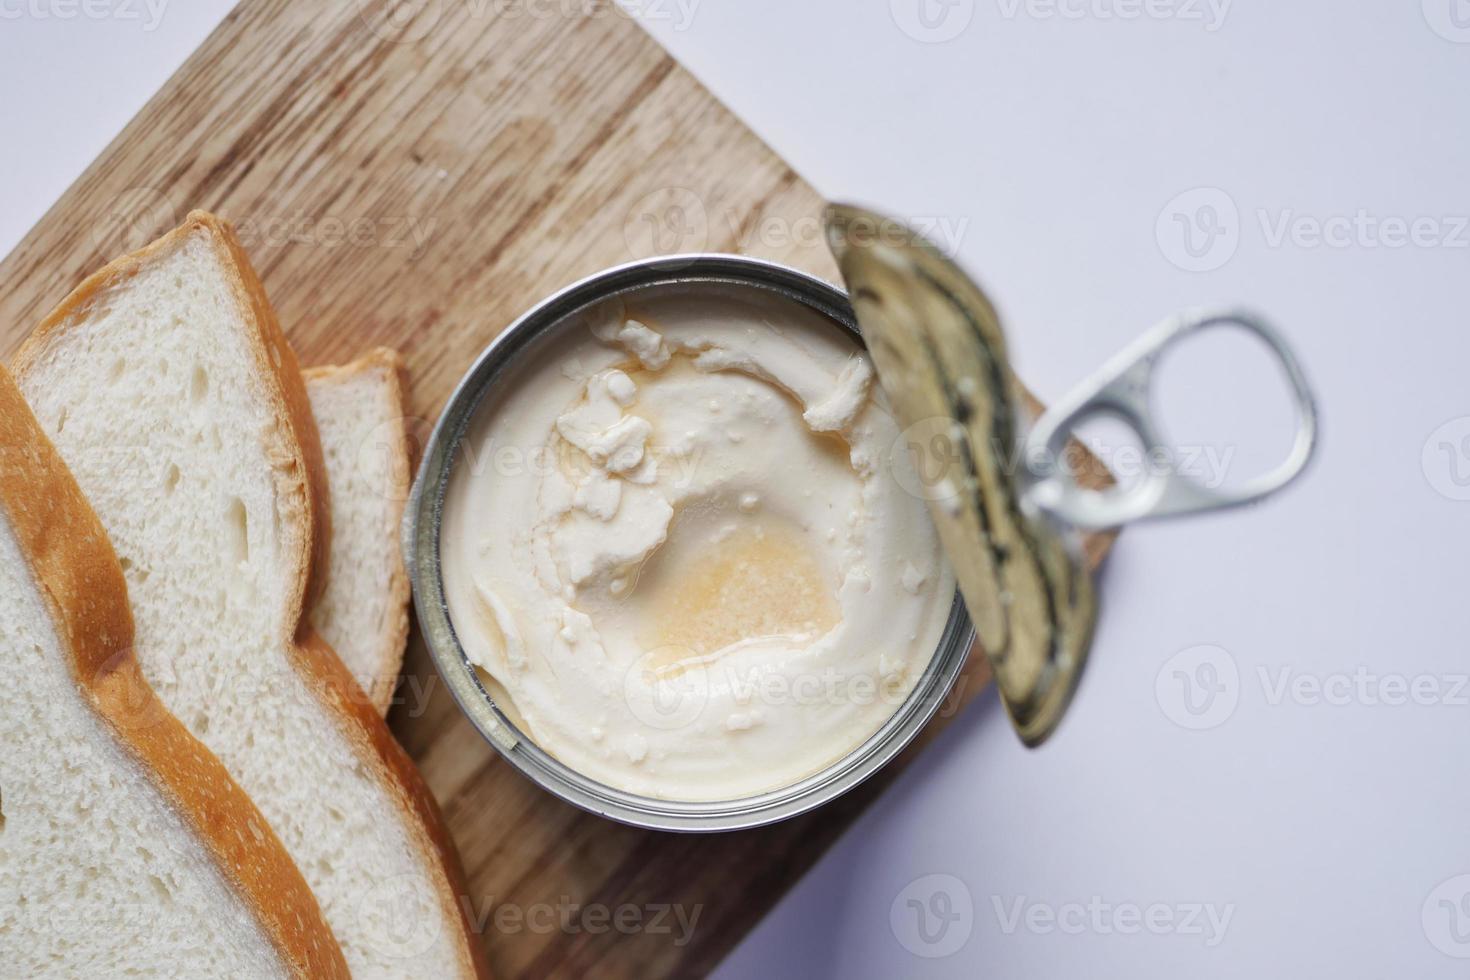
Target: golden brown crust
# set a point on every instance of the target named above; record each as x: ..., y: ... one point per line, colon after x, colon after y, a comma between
x: 334, y: 686
x: 78, y: 572
x: 388, y: 364
x: 298, y: 457
x: 298, y: 449
x: 364, y: 728
x: 375, y: 359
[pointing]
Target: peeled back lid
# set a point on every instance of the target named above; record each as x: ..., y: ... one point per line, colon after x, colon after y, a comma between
x: 1006, y: 496
x: 940, y: 354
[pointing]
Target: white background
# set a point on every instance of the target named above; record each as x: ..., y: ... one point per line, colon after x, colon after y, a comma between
x: 1052, y: 141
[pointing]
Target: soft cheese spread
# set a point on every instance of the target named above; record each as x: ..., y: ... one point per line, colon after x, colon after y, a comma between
x: 677, y: 549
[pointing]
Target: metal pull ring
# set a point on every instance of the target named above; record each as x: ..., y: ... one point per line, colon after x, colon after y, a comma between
x: 1122, y: 388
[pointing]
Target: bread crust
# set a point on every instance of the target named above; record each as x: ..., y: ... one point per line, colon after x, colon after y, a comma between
x: 72, y: 560
x: 297, y: 448
x: 334, y: 685
x: 371, y: 737
x: 301, y: 481
x: 388, y: 364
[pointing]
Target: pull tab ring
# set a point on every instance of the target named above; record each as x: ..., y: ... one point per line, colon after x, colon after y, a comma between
x: 1122, y: 388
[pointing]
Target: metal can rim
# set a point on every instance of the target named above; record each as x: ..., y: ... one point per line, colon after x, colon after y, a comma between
x: 423, y: 519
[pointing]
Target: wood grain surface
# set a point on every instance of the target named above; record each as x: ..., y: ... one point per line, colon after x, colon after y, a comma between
x: 417, y: 174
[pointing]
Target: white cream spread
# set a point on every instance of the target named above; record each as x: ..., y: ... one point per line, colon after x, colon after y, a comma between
x: 675, y: 547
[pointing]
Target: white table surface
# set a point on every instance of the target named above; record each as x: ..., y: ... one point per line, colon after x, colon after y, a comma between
x: 1310, y: 819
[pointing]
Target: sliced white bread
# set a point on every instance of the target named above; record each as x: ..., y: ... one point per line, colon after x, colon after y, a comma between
x: 125, y: 848
x: 363, y: 614
x: 167, y: 386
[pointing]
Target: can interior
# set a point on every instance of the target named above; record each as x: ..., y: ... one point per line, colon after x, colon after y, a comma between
x: 496, y: 370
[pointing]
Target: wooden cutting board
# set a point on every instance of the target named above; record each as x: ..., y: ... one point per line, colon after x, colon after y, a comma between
x: 417, y: 174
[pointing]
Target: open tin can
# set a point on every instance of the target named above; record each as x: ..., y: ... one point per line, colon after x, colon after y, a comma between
x: 1008, y: 529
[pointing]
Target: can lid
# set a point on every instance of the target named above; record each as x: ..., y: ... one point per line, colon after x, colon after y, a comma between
x: 1002, y: 495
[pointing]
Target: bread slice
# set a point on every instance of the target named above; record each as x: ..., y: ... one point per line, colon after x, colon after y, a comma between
x: 363, y: 614
x: 167, y: 386
x: 125, y: 849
